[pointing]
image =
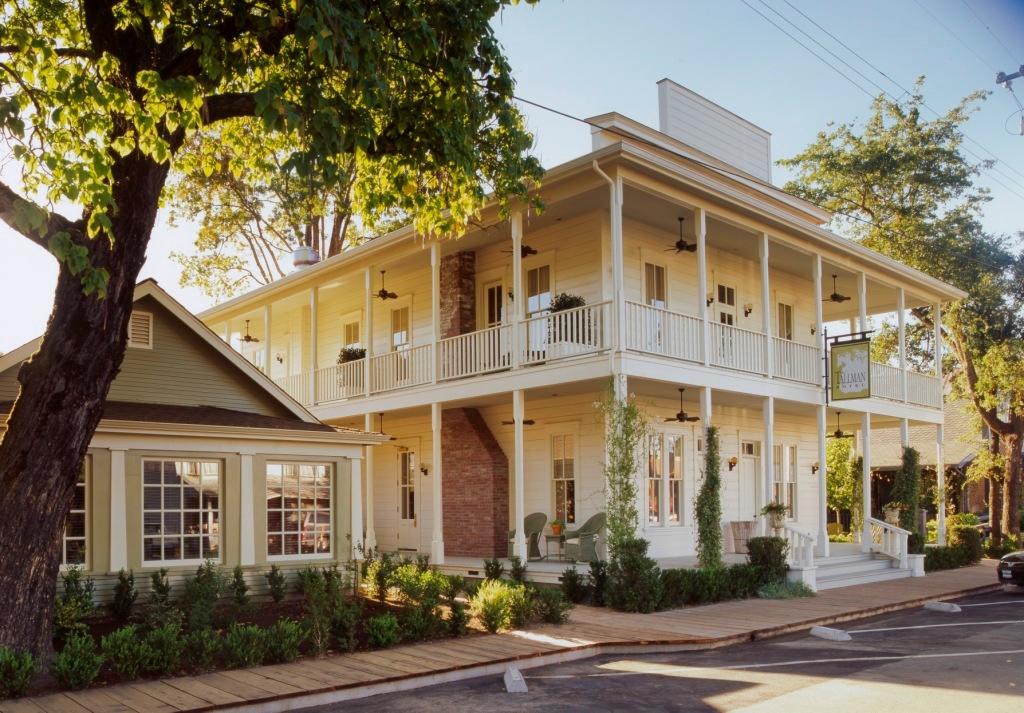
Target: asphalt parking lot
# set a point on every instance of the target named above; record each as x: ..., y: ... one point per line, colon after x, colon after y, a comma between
x: 910, y: 661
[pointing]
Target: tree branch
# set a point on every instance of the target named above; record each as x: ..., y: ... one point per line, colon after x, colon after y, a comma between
x: 228, y: 106
x: 13, y: 212
x: 59, y: 51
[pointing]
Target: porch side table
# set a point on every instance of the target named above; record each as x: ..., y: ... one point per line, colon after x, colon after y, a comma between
x: 560, y: 541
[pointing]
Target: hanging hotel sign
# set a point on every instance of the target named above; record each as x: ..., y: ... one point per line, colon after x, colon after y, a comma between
x: 850, y: 370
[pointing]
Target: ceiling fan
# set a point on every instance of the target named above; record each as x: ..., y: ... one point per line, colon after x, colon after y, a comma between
x: 248, y: 338
x: 381, y: 431
x: 681, y: 245
x: 526, y: 422
x: 682, y: 416
x: 525, y: 251
x: 835, y: 296
x: 838, y: 433
x: 383, y: 293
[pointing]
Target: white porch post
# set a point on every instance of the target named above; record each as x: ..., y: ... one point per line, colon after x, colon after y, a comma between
x: 904, y: 433
x: 901, y: 317
x: 705, y: 406
x: 767, y: 459
x: 940, y: 484
x: 862, y: 299
x: 368, y: 329
x: 370, y: 541
x: 618, y: 269
x: 118, y: 513
x: 819, y: 318
x: 225, y: 332
x: 518, y: 300
x: 267, y: 351
x: 865, y: 447
x: 766, y: 311
x: 437, y: 541
x: 246, y: 514
x: 356, y: 505
x: 822, y: 549
x: 700, y: 230
x: 314, y: 303
x: 435, y: 308
x: 518, y: 408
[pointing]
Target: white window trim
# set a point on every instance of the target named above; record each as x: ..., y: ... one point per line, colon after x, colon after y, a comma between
x: 681, y: 436
x: 152, y: 324
x: 157, y: 564
x: 87, y: 511
x: 403, y: 302
x: 483, y: 280
x: 779, y: 302
x: 565, y: 429
x: 300, y: 557
x: 643, y: 280
x: 356, y: 317
x: 542, y: 258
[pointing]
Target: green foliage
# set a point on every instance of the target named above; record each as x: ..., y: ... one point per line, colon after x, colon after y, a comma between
x: 708, y: 508
x: 125, y: 651
x: 239, y: 587
x: 492, y: 605
x: 493, y: 568
x: 842, y: 480
x: 78, y: 663
x: 520, y: 605
x: 598, y: 581
x: 125, y: 595
x: 74, y: 604
x: 159, y: 588
x: 688, y: 587
x: 345, y: 623
x: 634, y: 583
x: 283, y: 640
x: 906, y: 489
x: 422, y: 562
x: 625, y: 428
x: 201, y: 595
x: 769, y: 554
x: 551, y: 606
x: 162, y: 650
x: 382, y: 631
x: 573, y: 586
x: 276, y: 582
x: 159, y: 609
x: 202, y: 647
x: 457, y: 622
x: 564, y: 301
x: 378, y: 576
x: 1008, y: 545
x: 318, y: 606
x: 245, y: 645
x: 421, y: 590
x: 785, y: 590
x: 517, y: 570
x: 16, y: 672
x: 964, y: 548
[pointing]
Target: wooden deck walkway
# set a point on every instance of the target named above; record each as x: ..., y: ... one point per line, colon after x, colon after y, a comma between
x: 589, y: 631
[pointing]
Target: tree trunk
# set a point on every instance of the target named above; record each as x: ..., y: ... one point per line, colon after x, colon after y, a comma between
x: 995, y: 495
x: 63, y: 388
x: 1012, y: 488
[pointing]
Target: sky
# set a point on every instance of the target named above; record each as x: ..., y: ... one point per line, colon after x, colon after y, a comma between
x: 587, y: 57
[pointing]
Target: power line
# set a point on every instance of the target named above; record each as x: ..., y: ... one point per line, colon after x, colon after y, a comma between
x: 994, y: 35
x: 957, y: 37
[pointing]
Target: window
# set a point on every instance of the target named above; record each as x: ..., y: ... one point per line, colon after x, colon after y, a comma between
x: 407, y: 484
x: 298, y: 510
x: 350, y: 335
x: 140, y: 330
x: 493, y: 304
x: 751, y: 448
x: 726, y: 304
x: 538, y: 290
x: 75, y: 527
x: 400, y: 334
x: 784, y: 462
x: 785, y: 321
x: 655, y: 291
x: 655, y: 471
x: 674, y: 456
x: 791, y: 469
x: 563, y: 462
x: 180, y: 510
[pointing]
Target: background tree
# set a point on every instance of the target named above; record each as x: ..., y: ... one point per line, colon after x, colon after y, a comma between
x: 97, y: 100
x: 842, y: 481
x: 901, y: 185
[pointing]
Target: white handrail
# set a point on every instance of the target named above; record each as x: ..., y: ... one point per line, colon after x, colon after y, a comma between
x: 738, y: 348
x: 660, y: 331
x: 885, y: 381
x: 297, y: 386
x: 342, y: 381
x: 924, y: 389
x: 801, y: 545
x: 474, y: 353
x: 890, y: 541
x: 402, y: 368
x: 567, y: 333
x: 795, y: 361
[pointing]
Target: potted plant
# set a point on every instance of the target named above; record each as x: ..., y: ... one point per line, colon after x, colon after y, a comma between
x: 557, y: 526
x: 776, y: 514
x: 568, y: 335
x: 348, y: 354
x: 891, y: 510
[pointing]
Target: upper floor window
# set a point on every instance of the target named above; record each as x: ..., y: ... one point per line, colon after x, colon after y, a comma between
x: 180, y: 510
x: 785, y: 321
x: 726, y: 304
x: 75, y: 529
x: 493, y: 303
x: 350, y: 334
x: 655, y: 285
x: 538, y: 289
x: 400, y: 332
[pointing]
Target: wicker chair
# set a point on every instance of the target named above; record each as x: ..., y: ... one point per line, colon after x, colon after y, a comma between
x: 581, y: 544
x: 533, y: 526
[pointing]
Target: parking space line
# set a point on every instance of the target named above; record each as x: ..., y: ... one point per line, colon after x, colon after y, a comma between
x: 935, y: 626
x: 994, y: 604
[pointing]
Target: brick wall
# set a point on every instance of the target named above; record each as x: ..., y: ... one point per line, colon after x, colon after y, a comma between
x: 474, y: 487
x: 458, y: 294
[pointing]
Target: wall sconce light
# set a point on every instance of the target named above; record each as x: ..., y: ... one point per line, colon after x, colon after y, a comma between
x: 747, y: 309
x: 423, y: 469
x: 732, y: 463
x: 815, y: 468
x: 814, y: 329
x: 710, y: 299
x: 279, y: 358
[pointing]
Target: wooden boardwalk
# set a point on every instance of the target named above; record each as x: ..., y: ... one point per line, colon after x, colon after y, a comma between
x: 589, y: 631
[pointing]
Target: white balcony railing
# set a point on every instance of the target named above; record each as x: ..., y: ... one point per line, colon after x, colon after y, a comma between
x: 298, y: 386
x: 334, y: 383
x: 736, y: 348
x: 400, y: 369
x: 475, y: 353
x: 658, y: 331
x: 796, y: 362
x: 568, y: 333
x: 886, y: 381
x: 924, y: 389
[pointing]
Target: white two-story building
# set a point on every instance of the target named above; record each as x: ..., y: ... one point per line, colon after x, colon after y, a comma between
x: 701, y: 284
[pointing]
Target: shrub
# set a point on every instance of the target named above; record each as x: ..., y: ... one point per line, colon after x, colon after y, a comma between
x: 634, y: 583
x: 382, y: 631
x: 598, y: 581
x: 784, y: 590
x: 239, y: 588
x: 283, y: 640
x: 741, y: 581
x: 491, y: 605
x: 276, y: 582
x: 78, y: 663
x: 378, y: 576
x: 493, y: 568
x: 769, y: 553
x: 125, y: 595
x: 201, y: 595
x: 454, y: 585
x: 202, y: 647
x: 968, y: 540
x: 906, y: 489
x: 708, y: 507
x: 520, y: 606
x: 422, y: 562
x: 345, y: 623
x: 74, y: 604
x: 244, y: 645
x: 317, y: 608
x: 125, y: 651
x: 1008, y: 545
x: 551, y: 606
x: 159, y: 588
x: 936, y: 558
x: 457, y: 622
x: 517, y: 570
x: 16, y: 671
x: 160, y: 611
x: 679, y: 587
x: 162, y: 650
x: 573, y: 586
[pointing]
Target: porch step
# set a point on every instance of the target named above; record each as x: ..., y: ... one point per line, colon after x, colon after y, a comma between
x: 827, y: 582
x: 862, y: 565
x: 856, y: 568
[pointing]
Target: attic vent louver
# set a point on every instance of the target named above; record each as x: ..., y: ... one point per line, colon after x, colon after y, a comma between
x: 140, y: 330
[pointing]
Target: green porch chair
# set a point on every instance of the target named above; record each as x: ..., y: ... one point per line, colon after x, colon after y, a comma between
x: 581, y: 544
x: 533, y: 526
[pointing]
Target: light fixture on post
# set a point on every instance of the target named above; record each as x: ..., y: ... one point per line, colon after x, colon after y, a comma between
x: 747, y: 309
x: 814, y: 329
x: 423, y: 469
x: 733, y: 462
x: 710, y: 300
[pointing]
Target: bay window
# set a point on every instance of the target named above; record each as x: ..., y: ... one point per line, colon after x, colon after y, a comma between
x: 299, y: 523
x: 180, y: 510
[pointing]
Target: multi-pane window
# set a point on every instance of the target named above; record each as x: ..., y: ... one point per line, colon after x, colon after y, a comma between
x: 674, y: 458
x: 655, y: 289
x: 538, y: 289
x: 180, y: 510
x: 785, y: 321
x: 400, y: 332
x: 298, y: 509
x: 655, y: 472
x: 350, y: 335
x: 75, y: 529
x: 791, y: 468
x: 726, y: 304
x: 407, y: 484
x: 784, y: 464
x: 563, y: 462
x: 493, y: 304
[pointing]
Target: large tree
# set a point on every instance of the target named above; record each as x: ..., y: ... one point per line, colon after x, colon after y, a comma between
x: 97, y: 100
x: 901, y: 184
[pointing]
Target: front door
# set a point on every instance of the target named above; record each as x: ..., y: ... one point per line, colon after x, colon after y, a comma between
x: 408, y: 521
x: 750, y: 468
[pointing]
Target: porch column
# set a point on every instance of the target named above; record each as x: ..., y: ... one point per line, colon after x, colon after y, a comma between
x: 904, y: 434
x: 705, y: 406
x: 767, y: 459
x: 519, y: 509
x: 700, y: 231
x: 356, y: 505
x: 314, y: 304
x: 822, y: 548
x: 370, y: 539
x: 940, y: 484
x: 618, y: 269
x: 819, y: 323
x: 267, y: 351
x: 118, y: 513
x: 367, y: 327
x: 437, y: 542
x: 435, y: 307
x: 862, y: 300
x: 865, y: 447
x: 901, y: 320
x: 518, y: 300
x: 246, y: 514
x: 766, y: 310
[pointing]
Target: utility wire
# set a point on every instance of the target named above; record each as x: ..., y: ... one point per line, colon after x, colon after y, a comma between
x: 984, y: 24
x: 957, y: 37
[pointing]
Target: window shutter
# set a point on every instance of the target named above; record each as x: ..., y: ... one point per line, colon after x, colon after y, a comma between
x: 140, y: 330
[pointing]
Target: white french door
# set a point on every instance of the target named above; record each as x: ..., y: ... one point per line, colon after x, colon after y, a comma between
x: 408, y: 520
x: 750, y: 470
